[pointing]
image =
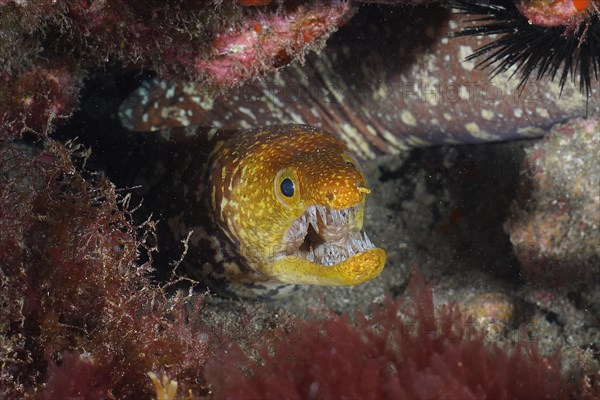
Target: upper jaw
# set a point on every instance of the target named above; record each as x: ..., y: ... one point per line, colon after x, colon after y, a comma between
x: 326, y: 236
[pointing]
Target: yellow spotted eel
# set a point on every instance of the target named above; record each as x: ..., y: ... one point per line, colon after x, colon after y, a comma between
x: 272, y: 209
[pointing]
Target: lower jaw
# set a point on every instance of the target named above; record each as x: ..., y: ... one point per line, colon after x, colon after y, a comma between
x: 360, y: 268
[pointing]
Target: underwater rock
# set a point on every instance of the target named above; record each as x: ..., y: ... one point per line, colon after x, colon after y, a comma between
x: 491, y: 311
x: 554, y: 226
x: 220, y: 44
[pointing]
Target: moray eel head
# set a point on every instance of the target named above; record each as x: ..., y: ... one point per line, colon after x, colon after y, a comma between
x: 291, y: 199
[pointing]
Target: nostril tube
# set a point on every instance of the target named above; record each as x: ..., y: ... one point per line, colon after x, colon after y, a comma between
x: 363, y: 189
x: 330, y: 196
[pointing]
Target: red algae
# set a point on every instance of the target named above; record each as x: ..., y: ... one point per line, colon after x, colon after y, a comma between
x: 79, y: 313
x: 46, y: 92
x: 422, y: 355
x: 76, y: 377
x: 48, y: 43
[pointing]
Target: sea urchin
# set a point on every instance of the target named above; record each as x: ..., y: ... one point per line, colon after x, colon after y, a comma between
x: 560, y: 37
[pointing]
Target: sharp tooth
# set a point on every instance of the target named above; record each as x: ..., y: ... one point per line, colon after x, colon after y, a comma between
x: 333, y: 257
x: 311, y: 254
x: 337, y: 217
x: 312, y: 212
x: 323, y: 214
x: 330, y: 216
x: 354, y: 244
x: 319, y: 253
x: 367, y: 241
x: 335, y: 252
x: 351, y: 251
x: 313, y: 218
x: 360, y: 243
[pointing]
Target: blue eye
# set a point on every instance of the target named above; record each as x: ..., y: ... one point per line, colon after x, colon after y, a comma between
x: 287, y: 187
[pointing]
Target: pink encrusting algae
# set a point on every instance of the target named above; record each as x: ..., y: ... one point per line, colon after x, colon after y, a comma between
x: 222, y: 45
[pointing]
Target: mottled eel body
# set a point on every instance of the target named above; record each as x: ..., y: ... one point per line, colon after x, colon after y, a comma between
x: 388, y: 80
x: 270, y: 209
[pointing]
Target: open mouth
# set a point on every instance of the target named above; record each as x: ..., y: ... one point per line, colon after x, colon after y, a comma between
x: 326, y: 236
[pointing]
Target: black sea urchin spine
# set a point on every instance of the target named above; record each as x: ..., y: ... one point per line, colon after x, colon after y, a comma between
x: 569, y: 50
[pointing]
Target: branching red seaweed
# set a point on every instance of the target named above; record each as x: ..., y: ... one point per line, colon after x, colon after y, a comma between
x: 78, y: 312
x: 388, y: 357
